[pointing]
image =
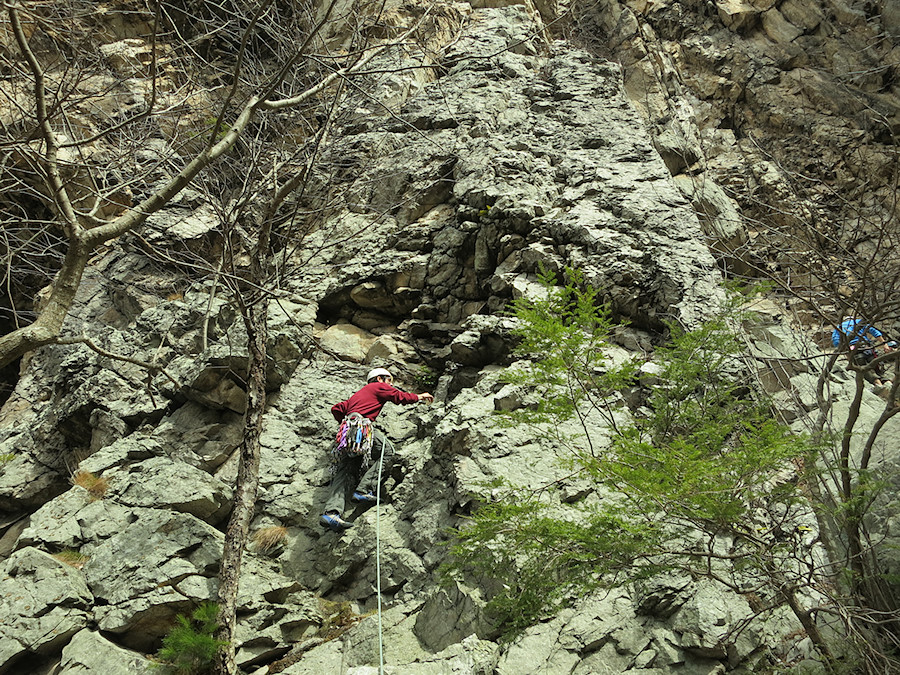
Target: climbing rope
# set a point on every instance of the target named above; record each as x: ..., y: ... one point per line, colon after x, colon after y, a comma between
x: 378, y: 555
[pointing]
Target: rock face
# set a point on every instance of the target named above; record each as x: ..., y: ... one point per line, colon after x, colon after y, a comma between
x: 774, y: 103
x: 45, y: 603
x: 537, y: 157
x: 524, y: 154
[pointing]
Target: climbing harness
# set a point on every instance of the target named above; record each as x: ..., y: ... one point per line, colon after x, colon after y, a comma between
x: 354, y: 439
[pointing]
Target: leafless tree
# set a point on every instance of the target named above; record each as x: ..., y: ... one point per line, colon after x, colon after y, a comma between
x: 75, y: 187
x: 251, y: 216
x: 233, y: 98
x: 829, y: 248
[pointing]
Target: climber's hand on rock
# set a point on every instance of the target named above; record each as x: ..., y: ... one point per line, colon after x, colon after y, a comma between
x: 428, y: 398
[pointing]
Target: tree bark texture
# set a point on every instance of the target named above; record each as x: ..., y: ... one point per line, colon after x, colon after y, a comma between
x: 245, y: 488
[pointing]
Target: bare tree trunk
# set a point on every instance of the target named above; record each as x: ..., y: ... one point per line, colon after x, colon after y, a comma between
x: 847, y: 491
x: 255, y: 310
x: 245, y: 488
x: 810, y: 626
x: 47, y: 327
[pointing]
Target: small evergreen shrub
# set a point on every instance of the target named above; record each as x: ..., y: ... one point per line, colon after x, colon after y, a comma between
x: 426, y: 378
x: 190, y: 647
x: 695, y: 463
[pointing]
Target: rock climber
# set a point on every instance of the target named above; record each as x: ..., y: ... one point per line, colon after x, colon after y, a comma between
x: 862, y: 340
x: 367, y: 403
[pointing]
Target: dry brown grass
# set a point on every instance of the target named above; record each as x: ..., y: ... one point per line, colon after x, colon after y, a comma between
x: 95, y: 485
x: 269, y: 538
x: 71, y: 557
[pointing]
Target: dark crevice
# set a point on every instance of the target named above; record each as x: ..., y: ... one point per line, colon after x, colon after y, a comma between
x: 9, y: 378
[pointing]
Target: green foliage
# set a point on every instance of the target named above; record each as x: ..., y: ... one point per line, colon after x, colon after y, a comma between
x: 563, y: 334
x: 190, y: 648
x: 695, y: 457
x: 539, y: 558
x: 708, y: 445
x: 426, y: 378
x: 7, y: 457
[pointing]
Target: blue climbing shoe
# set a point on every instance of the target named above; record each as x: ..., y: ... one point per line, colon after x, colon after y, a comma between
x: 364, y: 497
x: 333, y: 521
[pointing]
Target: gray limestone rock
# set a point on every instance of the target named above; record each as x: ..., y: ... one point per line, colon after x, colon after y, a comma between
x: 199, y: 436
x: 164, y: 563
x: 326, y: 658
x: 521, y: 155
x: 25, y: 482
x: 719, y: 216
x: 147, y: 572
x: 134, y: 448
x: 539, y: 650
x: 347, y: 342
x: 87, y: 652
x: 74, y: 520
x: 662, y: 595
x: 160, y: 482
x: 485, y: 340
x: 705, y: 622
x: 450, y: 616
x: 44, y: 602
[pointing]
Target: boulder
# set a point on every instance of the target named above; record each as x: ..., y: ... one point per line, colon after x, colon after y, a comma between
x: 209, y: 380
x: 737, y: 15
x: 720, y: 218
x: 156, y: 566
x: 44, y: 602
x: 74, y: 520
x: 706, y: 621
x: 163, y: 483
x: 450, y: 616
x: 347, y: 341
x: 88, y: 652
x: 778, y: 28
x: 199, y: 435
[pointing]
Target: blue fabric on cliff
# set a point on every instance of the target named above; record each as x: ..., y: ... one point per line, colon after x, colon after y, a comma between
x: 855, y: 330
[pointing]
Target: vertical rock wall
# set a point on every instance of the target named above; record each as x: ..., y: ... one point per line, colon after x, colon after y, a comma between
x: 514, y: 152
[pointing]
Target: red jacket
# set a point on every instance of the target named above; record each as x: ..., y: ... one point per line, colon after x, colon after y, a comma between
x: 369, y: 400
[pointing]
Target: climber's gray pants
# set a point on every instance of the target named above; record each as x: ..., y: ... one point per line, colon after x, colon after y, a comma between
x: 346, y: 477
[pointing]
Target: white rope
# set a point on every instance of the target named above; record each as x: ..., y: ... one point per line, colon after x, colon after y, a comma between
x: 378, y: 555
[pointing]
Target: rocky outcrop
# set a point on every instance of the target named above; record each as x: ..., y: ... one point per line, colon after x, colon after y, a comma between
x: 510, y: 154
x: 45, y: 602
x: 537, y: 157
x: 778, y: 116
x: 88, y: 652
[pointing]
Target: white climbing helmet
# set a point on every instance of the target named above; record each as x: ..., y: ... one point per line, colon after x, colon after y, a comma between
x: 378, y: 372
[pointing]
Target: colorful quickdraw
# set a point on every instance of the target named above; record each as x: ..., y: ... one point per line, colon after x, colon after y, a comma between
x: 354, y: 439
